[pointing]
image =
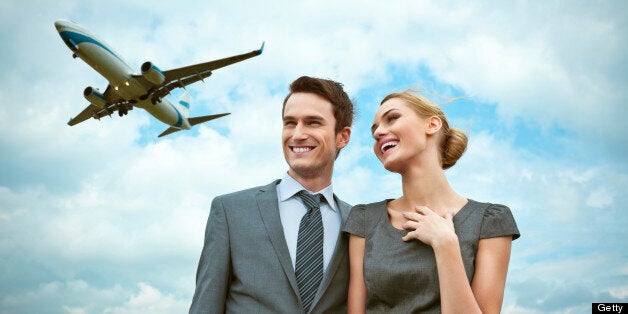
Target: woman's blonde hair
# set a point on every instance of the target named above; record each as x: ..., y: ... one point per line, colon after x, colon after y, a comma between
x: 453, y: 140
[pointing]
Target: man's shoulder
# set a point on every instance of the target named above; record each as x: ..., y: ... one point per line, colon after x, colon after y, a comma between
x: 342, y: 203
x: 249, y: 192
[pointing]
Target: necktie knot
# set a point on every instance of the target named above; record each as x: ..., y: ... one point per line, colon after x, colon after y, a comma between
x: 311, y: 201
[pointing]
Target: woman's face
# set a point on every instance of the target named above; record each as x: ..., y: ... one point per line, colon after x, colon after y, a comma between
x: 399, y: 133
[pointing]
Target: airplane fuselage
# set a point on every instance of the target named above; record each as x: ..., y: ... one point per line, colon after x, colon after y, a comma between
x: 119, y: 74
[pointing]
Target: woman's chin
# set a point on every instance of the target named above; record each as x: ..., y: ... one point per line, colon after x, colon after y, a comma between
x: 391, y: 165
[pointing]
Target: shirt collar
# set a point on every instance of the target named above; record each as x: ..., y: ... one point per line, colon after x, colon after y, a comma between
x: 288, y: 187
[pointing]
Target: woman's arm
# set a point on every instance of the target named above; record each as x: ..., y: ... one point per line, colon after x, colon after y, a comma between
x: 486, y: 292
x: 491, y: 266
x: 356, y: 302
x: 456, y: 295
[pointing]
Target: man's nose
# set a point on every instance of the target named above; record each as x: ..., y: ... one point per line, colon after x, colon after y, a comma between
x: 300, y: 132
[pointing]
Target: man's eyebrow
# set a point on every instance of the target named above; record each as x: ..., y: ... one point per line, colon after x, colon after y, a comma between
x: 310, y: 117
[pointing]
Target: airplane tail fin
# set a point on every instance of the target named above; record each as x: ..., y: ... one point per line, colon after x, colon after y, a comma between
x: 185, y: 111
x: 197, y: 120
x: 184, y: 101
x: 170, y: 130
x: 194, y: 121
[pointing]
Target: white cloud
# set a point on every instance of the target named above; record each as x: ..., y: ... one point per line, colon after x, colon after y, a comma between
x: 77, y: 297
x: 619, y: 292
x: 600, y: 198
x: 150, y: 300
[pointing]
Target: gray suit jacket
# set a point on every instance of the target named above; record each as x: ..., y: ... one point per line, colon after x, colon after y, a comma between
x: 245, y: 266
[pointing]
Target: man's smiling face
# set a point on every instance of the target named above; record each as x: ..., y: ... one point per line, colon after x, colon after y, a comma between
x: 310, y: 143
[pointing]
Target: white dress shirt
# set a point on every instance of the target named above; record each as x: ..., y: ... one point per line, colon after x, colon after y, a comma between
x: 291, y: 210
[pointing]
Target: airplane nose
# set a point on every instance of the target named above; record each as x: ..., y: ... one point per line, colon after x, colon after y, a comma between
x: 61, y: 25
x: 58, y: 25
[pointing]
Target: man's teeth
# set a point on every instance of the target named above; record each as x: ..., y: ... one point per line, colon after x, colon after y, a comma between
x: 388, y: 145
x: 301, y: 149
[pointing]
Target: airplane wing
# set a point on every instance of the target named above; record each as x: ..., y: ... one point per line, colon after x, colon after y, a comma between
x: 180, y: 73
x: 187, y: 75
x: 114, y: 103
x: 95, y: 112
x: 111, y: 96
x: 87, y: 113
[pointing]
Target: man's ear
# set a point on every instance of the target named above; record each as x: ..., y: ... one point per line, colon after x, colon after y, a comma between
x: 434, y: 124
x: 342, y: 138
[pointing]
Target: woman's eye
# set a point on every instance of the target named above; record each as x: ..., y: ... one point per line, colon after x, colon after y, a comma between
x: 392, y: 117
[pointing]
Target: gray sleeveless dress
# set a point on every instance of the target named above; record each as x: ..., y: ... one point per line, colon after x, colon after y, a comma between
x: 401, y: 277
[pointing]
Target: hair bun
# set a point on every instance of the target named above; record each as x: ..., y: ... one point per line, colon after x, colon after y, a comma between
x: 454, y: 146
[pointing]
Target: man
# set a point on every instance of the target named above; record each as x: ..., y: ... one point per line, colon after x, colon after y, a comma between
x: 277, y: 248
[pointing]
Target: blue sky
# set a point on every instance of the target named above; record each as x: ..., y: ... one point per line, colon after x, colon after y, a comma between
x: 106, y: 217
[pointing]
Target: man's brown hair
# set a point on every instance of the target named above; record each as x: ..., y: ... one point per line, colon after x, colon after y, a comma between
x: 330, y: 90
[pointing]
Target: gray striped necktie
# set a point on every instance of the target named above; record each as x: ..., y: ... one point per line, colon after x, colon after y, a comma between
x: 309, y: 263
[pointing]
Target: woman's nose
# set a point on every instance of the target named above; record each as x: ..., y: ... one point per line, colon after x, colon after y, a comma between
x: 379, y: 132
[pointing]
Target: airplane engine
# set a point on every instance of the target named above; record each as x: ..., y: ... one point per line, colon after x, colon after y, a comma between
x: 94, y: 97
x: 152, y: 73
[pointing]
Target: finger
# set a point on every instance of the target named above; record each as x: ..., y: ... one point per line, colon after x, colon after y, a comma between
x: 410, y: 225
x: 411, y: 216
x: 408, y: 237
x: 449, y: 216
x: 423, y: 210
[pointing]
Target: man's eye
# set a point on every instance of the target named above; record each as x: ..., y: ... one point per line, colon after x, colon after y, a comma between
x: 314, y: 123
x: 289, y: 123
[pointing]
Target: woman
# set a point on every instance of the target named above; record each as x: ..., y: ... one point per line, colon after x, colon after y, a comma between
x: 431, y: 250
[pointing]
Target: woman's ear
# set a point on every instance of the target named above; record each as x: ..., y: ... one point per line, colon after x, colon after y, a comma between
x: 434, y: 124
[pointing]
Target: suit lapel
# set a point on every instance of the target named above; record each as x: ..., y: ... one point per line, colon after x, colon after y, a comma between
x: 269, y: 210
x: 339, y: 253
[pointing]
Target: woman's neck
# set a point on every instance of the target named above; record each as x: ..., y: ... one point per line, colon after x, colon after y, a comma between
x: 428, y: 186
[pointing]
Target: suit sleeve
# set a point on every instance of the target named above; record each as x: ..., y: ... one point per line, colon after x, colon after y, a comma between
x: 214, y: 268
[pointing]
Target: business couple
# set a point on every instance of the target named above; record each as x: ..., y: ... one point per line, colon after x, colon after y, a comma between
x: 285, y: 248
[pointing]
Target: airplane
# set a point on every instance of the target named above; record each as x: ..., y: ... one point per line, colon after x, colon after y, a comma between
x: 146, y: 90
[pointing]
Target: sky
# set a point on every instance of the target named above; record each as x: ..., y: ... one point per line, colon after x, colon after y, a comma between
x: 104, y: 217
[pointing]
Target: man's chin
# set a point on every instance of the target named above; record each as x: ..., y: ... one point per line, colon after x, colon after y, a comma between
x: 305, y: 171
